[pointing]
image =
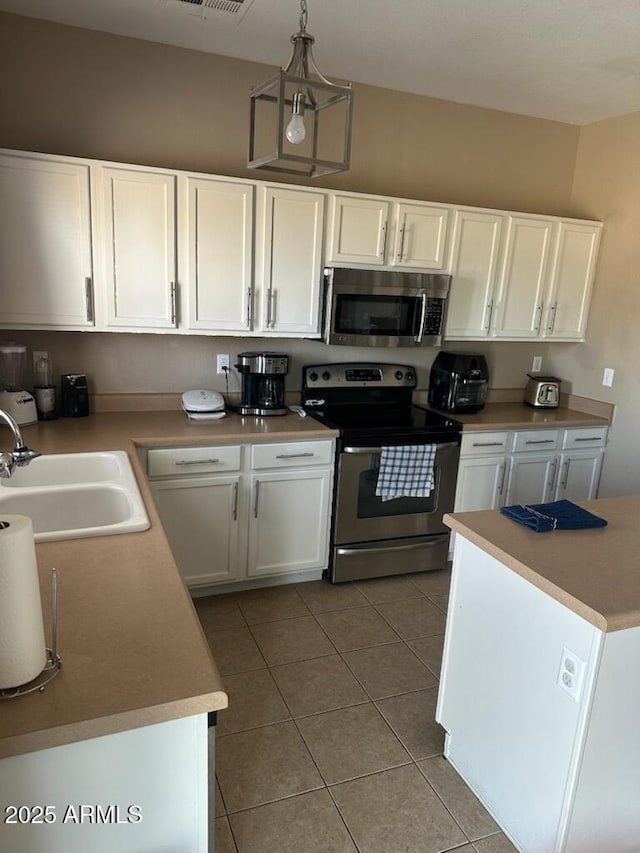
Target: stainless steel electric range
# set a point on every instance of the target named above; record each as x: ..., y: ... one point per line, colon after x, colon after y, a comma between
x: 371, y: 406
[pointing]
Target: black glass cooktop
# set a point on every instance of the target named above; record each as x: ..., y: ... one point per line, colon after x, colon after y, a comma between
x: 381, y: 420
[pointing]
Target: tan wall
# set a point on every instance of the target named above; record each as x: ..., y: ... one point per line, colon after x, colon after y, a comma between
x: 85, y: 93
x: 607, y: 187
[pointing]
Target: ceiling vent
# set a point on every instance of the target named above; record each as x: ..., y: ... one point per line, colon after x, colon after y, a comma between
x: 229, y: 10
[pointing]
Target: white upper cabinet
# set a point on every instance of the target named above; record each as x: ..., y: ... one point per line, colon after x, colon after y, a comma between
x: 382, y: 232
x: 520, y: 303
x: 46, y: 266
x: 289, y: 229
x: 140, y: 248
x: 474, y: 261
x: 570, y: 282
x: 219, y: 235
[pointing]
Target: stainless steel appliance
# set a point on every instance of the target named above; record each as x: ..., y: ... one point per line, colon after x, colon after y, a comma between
x: 458, y: 382
x: 262, y: 383
x: 542, y: 391
x: 379, y: 308
x: 14, y: 400
x: 370, y: 404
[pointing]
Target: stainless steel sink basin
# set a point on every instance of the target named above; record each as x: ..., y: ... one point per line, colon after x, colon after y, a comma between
x: 76, y: 495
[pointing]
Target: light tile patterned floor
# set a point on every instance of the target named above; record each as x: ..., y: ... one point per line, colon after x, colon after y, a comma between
x: 330, y: 743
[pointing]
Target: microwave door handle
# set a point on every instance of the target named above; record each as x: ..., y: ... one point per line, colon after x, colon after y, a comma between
x: 423, y: 313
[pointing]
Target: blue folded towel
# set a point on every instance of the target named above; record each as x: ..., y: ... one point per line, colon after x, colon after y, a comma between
x: 555, y: 515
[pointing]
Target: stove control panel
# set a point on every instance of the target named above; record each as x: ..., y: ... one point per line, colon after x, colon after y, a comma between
x: 358, y: 375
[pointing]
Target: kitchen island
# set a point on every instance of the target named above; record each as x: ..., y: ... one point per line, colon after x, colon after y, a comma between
x: 540, y: 684
x: 124, y: 725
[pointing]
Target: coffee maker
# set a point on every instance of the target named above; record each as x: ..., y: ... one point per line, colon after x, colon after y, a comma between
x: 262, y: 383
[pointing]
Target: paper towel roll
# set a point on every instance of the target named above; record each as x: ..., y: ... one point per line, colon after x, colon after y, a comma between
x: 22, y: 647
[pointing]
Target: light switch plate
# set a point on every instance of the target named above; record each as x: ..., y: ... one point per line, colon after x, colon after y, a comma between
x: 536, y: 367
x: 607, y: 377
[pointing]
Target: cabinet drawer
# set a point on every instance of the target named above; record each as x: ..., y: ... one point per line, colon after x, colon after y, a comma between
x: 538, y: 440
x: 288, y: 454
x: 483, y: 443
x: 584, y: 439
x: 183, y: 461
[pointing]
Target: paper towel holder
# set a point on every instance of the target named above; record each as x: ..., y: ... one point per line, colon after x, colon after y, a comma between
x: 54, y: 661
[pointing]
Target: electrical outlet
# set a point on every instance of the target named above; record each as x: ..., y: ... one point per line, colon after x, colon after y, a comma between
x: 222, y: 362
x: 607, y: 377
x: 37, y: 354
x: 536, y: 367
x: 571, y: 674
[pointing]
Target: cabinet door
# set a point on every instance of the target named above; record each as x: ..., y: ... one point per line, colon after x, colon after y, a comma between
x: 523, y: 278
x: 288, y: 529
x: 140, y: 251
x: 531, y: 478
x: 220, y: 241
x: 480, y: 483
x: 579, y: 475
x: 358, y: 230
x: 46, y: 266
x: 570, y: 282
x: 200, y: 518
x: 291, y: 232
x: 474, y: 263
x: 420, y: 236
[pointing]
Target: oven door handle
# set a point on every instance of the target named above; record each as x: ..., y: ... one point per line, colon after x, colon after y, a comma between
x: 414, y: 546
x: 357, y: 450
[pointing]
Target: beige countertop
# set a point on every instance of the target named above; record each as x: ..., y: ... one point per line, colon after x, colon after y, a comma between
x: 505, y: 416
x: 132, y: 648
x: 595, y: 573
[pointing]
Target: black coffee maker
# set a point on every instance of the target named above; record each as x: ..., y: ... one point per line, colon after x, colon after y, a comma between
x: 262, y: 383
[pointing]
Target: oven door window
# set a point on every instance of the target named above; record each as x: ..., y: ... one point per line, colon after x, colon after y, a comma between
x: 392, y: 316
x: 369, y: 505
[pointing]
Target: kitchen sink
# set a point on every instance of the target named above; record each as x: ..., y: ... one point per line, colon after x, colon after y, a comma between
x: 76, y: 495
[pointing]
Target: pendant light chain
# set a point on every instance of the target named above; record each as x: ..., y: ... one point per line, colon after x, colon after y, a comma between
x: 303, y: 16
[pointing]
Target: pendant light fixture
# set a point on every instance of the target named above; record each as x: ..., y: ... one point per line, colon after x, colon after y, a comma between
x: 300, y: 121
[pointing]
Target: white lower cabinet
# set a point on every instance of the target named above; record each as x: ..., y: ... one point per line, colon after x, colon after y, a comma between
x: 481, y: 471
x: 264, y: 515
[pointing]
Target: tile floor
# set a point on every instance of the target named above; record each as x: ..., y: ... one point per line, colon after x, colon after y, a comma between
x: 329, y: 744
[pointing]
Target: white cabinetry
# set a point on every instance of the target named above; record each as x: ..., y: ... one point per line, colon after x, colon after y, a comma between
x: 481, y: 471
x: 290, y: 228
x: 219, y: 237
x: 533, y: 466
x: 140, y: 248
x: 46, y: 265
x: 384, y: 232
x: 474, y: 262
x: 244, y: 511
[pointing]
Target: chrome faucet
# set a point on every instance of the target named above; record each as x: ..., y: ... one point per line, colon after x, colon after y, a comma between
x: 20, y: 455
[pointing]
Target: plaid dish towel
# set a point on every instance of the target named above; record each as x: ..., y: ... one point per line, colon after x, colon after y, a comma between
x: 406, y: 471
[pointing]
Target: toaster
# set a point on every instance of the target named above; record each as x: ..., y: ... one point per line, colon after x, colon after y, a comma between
x: 543, y: 391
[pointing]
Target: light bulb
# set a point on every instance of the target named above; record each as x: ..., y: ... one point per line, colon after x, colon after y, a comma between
x: 295, y: 131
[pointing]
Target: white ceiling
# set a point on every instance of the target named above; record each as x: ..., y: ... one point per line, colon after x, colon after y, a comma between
x: 576, y: 61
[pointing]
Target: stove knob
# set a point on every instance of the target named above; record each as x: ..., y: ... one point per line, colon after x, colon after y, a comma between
x: 410, y: 377
x: 399, y: 374
x: 313, y: 376
x: 326, y: 376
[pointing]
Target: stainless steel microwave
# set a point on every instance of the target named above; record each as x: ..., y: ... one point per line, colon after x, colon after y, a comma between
x: 379, y: 308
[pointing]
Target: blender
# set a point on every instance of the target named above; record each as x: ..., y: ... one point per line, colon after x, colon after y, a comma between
x: 13, y: 398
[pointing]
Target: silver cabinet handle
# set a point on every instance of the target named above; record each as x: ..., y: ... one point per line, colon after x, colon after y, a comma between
x: 590, y: 438
x: 271, y: 307
x: 565, y: 473
x: 423, y: 313
x: 172, y: 297
x: 197, y: 461
x: 539, y: 320
x: 552, y: 317
x: 487, y: 325
x: 88, y: 296
x: 541, y: 441
x: 384, y: 241
x: 487, y: 444
x: 268, y: 307
x: 248, y: 308
x: 401, y: 252
x: 235, y: 501
x: 255, y: 499
x: 503, y: 470
x: 552, y: 478
x: 293, y: 455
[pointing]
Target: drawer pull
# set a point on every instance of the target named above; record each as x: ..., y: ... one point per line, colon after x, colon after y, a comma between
x: 197, y: 461
x: 541, y: 441
x: 487, y: 444
x: 293, y: 455
x: 591, y: 438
